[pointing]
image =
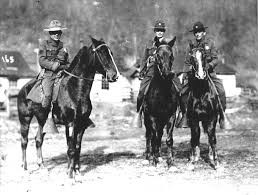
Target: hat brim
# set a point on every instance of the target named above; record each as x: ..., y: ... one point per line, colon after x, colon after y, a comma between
x: 54, y: 29
x: 193, y: 30
x: 159, y: 27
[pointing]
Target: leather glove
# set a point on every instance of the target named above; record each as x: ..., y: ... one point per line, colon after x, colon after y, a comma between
x: 171, y: 75
x: 208, y: 67
x: 55, y: 66
x: 151, y: 59
x: 62, y: 56
x: 62, y: 67
x: 141, y: 76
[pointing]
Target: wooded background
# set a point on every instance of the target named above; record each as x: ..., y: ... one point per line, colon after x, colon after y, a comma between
x: 126, y: 25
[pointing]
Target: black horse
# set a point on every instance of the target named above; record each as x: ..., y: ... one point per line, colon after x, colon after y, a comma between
x: 203, y: 106
x: 160, y: 105
x: 73, y: 105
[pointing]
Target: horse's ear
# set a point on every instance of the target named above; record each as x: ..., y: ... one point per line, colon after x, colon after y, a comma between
x: 102, y: 39
x: 94, y: 41
x: 172, y: 42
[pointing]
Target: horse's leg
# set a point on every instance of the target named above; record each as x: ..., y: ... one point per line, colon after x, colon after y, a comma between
x: 148, y: 133
x: 67, y: 135
x: 195, y: 142
x: 160, y: 127
x: 24, y: 129
x: 213, y: 142
x: 154, y: 140
x: 77, y: 165
x: 71, y: 152
x: 74, y: 147
x: 41, y: 117
x: 169, y: 140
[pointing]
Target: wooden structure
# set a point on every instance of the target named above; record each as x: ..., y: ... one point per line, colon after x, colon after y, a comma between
x: 14, y: 73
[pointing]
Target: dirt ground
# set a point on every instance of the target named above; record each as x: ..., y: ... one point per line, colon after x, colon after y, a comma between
x: 112, y: 159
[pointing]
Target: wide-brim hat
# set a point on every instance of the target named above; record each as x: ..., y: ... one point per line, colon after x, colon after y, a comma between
x: 159, y: 24
x: 55, y: 25
x: 197, y: 27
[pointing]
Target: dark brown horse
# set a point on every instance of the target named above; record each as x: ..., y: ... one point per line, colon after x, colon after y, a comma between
x: 73, y: 105
x: 202, y: 107
x: 160, y: 105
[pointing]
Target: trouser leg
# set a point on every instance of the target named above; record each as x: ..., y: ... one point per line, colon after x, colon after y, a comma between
x: 143, y: 91
x: 47, y: 84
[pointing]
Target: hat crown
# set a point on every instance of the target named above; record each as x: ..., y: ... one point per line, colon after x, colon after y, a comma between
x: 54, y: 24
x: 160, y: 24
x: 198, y: 26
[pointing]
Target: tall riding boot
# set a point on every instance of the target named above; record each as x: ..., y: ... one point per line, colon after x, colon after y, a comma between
x: 183, y: 121
x: 46, y: 103
x: 221, y: 114
x: 140, y: 100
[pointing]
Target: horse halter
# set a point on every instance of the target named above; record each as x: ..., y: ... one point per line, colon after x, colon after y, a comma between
x: 95, y: 49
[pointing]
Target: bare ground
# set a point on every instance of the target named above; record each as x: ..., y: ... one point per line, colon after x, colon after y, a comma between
x: 112, y: 159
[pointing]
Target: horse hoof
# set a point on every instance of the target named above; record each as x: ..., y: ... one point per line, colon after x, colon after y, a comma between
x: 160, y: 159
x: 190, y: 166
x: 217, y: 166
x: 154, y: 163
x: 41, y: 166
x: 24, y: 167
x: 145, y: 162
x: 173, y: 168
x: 78, y: 176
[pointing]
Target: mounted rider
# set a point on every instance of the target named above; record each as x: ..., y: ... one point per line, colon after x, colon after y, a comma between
x: 53, y: 58
x: 211, y: 55
x: 147, y: 68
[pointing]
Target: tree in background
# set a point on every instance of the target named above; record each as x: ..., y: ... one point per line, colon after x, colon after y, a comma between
x: 126, y: 26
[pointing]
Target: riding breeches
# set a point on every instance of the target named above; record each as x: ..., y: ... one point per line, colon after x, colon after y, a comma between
x: 48, y: 84
x: 144, y: 86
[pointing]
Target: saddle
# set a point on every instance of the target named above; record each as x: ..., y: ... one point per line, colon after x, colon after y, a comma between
x: 37, y: 95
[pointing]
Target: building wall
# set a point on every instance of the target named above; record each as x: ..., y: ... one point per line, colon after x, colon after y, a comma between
x: 229, y: 82
x: 118, y: 91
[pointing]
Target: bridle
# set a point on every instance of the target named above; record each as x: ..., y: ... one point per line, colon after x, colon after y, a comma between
x: 95, y: 53
x: 195, y: 50
x: 158, y: 61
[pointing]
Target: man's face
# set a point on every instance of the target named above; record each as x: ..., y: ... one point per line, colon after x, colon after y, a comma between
x: 159, y: 33
x: 199, y: 35
x: 55, y: 35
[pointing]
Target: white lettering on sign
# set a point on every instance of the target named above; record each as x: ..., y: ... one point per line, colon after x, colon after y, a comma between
x: 8, y: 59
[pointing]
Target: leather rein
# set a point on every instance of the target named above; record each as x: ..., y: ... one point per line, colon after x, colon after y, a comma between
x: 95, y: 52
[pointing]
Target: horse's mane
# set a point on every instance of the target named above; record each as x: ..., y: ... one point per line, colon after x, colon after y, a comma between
x: 83, y: 51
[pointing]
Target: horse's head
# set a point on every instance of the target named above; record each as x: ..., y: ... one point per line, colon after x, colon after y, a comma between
x: 199, y: 63
x: 164, y: 58
x: 105, y: 61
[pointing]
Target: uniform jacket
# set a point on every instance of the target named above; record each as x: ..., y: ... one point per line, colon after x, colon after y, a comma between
x: 210, y: 52
x: 52, y: 57
x: 150, y: 50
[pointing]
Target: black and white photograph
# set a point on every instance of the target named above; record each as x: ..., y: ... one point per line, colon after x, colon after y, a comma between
x: 129, y: 97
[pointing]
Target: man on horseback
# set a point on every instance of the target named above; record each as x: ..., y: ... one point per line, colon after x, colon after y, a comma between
x: 147, y: 69
x: 211, y: 56
x: 53, y: 57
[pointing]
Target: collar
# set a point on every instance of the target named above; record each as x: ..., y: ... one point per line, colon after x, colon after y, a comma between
x: 53, y: 42
x: 196, y: 43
